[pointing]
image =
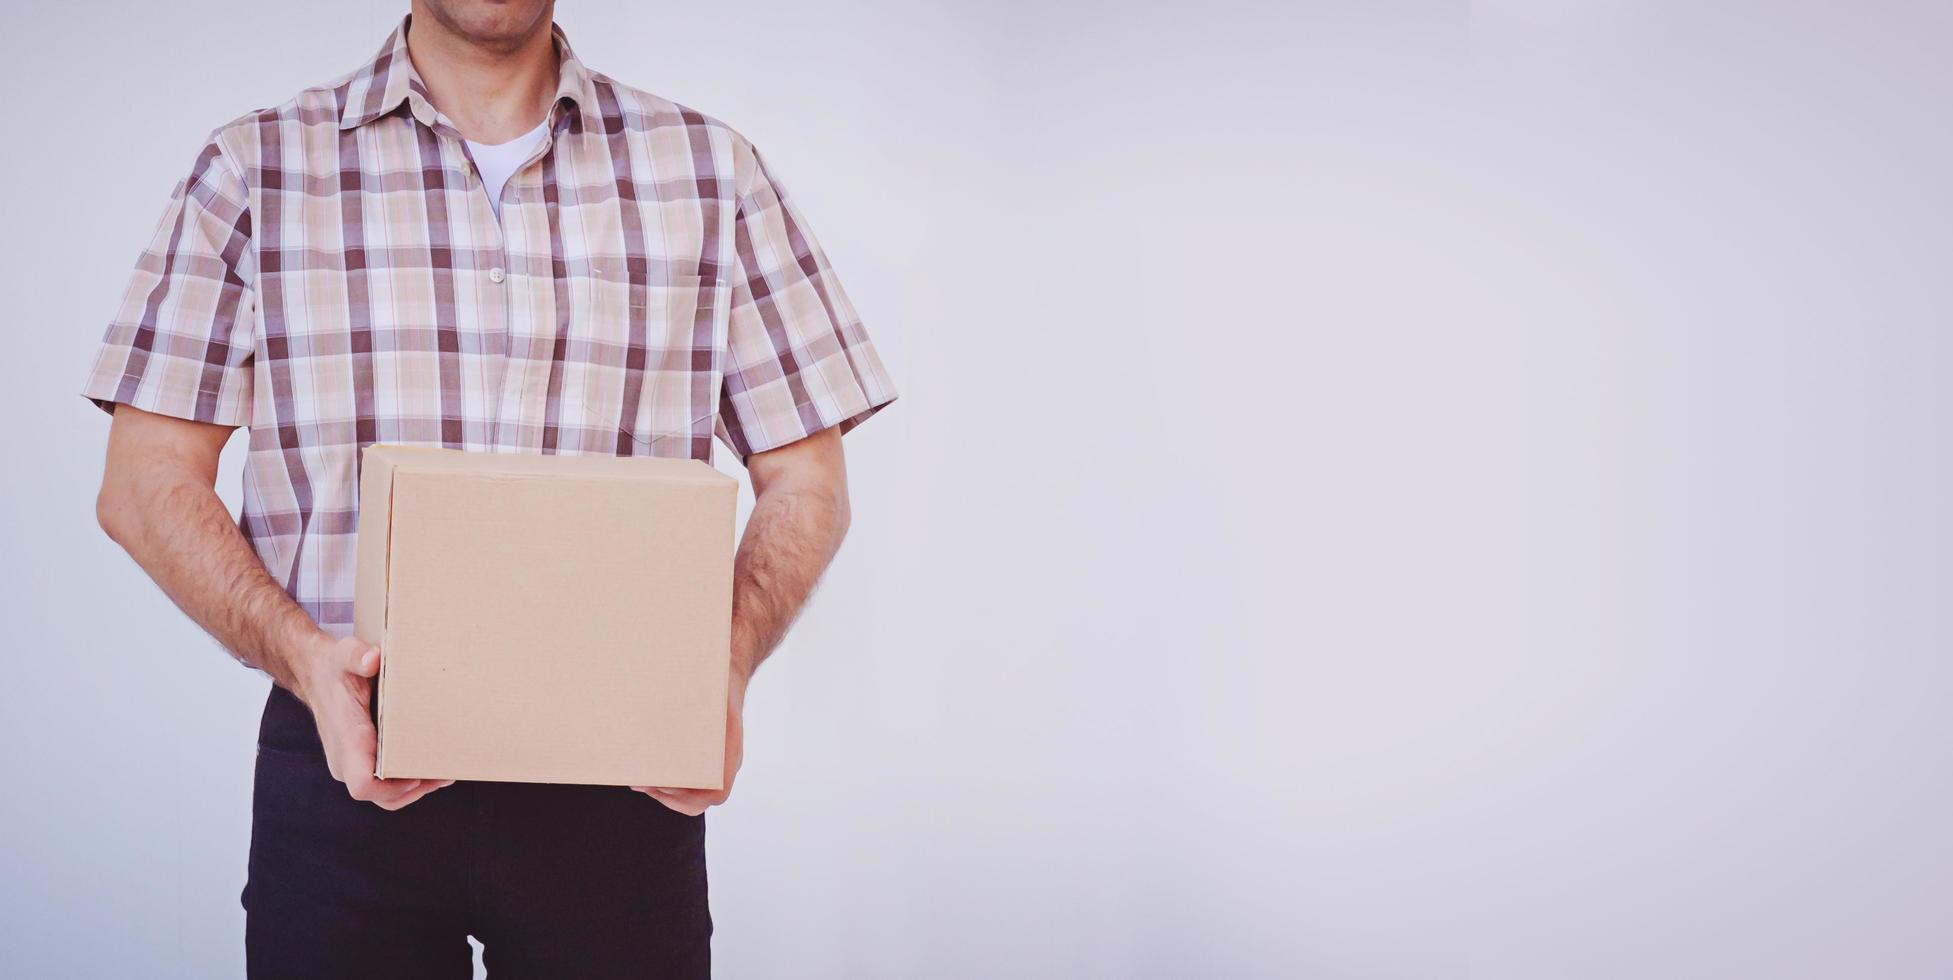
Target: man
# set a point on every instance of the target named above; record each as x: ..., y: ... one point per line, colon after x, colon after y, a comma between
x: 473, y: 242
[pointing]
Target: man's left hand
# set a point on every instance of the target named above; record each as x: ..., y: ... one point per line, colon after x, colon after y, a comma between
x: 692, y: 802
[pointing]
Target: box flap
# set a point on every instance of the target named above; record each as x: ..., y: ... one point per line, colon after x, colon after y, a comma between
x: 377, y: 467
x: 420, y: 459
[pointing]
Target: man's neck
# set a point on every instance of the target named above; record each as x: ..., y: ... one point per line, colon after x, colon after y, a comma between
x: 490, y: 95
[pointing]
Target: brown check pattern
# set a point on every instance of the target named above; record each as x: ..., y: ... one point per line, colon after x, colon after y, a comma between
x: 331, y: 274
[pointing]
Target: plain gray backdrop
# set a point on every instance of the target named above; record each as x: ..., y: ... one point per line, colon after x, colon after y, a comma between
x: 1383, y: 489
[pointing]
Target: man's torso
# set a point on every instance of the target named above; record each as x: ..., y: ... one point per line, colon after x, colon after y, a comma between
x: 378, y: 298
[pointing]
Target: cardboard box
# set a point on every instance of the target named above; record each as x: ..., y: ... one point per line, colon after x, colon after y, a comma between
x: 550, y: 619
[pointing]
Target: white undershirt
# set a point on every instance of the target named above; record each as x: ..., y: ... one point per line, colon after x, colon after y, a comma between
x: 498, y: 163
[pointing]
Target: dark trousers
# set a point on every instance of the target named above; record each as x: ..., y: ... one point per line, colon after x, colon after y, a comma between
x: 554, y: 881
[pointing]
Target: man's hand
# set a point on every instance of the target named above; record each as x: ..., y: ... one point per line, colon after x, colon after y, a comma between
x: 692, y: 802
x: 336, y: 684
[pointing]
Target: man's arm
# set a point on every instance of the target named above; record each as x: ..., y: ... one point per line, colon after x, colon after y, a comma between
x: 159, y: 503
x: 800, y: 515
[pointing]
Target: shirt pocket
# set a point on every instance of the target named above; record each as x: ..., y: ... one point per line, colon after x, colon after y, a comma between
x: 653, y: 364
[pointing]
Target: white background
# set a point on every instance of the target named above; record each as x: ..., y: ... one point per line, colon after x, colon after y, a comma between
x: 1382, y: 489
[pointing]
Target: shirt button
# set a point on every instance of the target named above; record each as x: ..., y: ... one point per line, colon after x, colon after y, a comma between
x: 496, y: 274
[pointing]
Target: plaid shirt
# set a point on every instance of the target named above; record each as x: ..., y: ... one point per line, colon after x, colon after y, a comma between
x: 331, y: 274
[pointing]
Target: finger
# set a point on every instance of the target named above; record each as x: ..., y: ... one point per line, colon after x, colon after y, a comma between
x: 358, y: 762
x: 706, y: 796
x: 688, y: 802
x: 673, y: 801
x: 400, y: 792
x: 399, y: 785
x: 678, y: 793
x: 427, y: 786
x: 366, y: 661
x: 371, y: 790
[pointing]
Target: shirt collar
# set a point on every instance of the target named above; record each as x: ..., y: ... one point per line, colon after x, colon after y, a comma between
x: 381, y: 85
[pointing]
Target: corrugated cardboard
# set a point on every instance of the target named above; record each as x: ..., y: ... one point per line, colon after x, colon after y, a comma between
x: 557, y: 619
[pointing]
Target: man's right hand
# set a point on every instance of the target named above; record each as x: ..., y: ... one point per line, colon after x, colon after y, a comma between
x: 336, y: 683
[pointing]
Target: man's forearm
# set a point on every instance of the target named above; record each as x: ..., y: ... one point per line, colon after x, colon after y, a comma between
x: 160, y: 507
x: 793, y: 533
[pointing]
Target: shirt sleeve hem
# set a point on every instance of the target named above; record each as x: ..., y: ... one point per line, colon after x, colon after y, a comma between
x: 845, y: 424
x: 106, y: 400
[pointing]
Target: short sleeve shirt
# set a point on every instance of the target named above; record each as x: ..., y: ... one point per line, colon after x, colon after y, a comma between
x: 331, y: 274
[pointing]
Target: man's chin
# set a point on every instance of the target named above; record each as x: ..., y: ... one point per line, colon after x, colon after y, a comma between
x: 500, y: 26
